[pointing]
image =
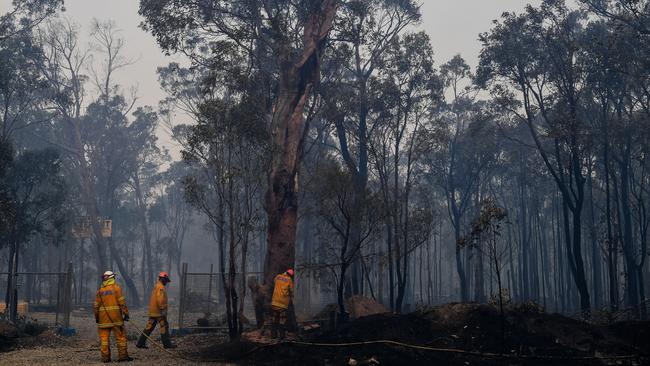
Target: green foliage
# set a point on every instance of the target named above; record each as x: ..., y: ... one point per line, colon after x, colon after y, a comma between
x: 6, y: 207
x: 23, y: 90
x: 36, y: 194
x: 488, y: 222
x: 203, y: 28
x: 25, y: 15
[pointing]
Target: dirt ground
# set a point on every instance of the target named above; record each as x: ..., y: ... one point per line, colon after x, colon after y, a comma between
x: 471, y: 334
x: 49, y: 348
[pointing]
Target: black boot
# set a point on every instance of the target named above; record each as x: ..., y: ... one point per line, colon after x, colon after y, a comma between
x: 283, y: 332
x: 167, y: 343
x: 274, y: 331
x: 142, y: 342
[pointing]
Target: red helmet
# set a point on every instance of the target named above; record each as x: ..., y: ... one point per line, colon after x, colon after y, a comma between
x: 164, y: 275
x: 290, y: 272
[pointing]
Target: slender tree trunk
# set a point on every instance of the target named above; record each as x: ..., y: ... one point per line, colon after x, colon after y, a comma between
x: 460, y: 270
x: 130, y: 284
x: 391, y: 270
x: 142, y: 214
x: 611, y: 245
x: 628, y: 245
x: 595, y: 255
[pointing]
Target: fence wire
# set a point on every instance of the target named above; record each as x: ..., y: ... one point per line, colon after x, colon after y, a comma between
x: 203, y: 301
x: 45, y: 297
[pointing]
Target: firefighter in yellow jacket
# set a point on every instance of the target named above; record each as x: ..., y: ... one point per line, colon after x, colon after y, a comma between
x: 158, y: 313
x: 282, y: 295
x: 110, y: 314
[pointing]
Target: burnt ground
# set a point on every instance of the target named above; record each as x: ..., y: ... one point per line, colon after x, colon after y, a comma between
x: 532, y: 337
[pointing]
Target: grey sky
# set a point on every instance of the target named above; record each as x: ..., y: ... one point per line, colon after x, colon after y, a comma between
x: 453, y: 25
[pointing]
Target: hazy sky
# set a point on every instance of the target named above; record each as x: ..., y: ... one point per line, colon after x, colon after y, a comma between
x: 453, y: 25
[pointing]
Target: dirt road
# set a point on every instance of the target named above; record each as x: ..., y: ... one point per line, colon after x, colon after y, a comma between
x: 83, y: 348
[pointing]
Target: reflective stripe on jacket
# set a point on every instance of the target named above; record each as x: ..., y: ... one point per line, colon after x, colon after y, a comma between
x: 282, y: 291
x: 158, y: 301
x: 110, y: 305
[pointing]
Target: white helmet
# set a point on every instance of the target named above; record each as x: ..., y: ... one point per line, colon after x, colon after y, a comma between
x: 108, y: 274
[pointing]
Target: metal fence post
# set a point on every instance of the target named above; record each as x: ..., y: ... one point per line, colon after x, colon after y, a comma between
x: 210, y: 288
x: 182, y: 298
x: 67, y: 299
x: 13, y: 288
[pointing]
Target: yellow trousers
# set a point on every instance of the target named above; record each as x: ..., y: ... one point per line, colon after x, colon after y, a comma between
x: 151, y: 324
x: 120, y: 339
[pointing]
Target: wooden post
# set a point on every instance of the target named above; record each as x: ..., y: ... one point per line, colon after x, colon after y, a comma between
x: 182, y: 297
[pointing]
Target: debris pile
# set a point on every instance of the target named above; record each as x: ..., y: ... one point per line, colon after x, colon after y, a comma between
x: 8, y: 333
x: 24, y: 333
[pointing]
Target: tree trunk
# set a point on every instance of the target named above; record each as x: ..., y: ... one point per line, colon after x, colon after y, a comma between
x: 130, y: 284
x: 595, y: 255
x: 464, y: 292
x: 297, y: 78
x: 628, y: 245
x: 611, y: 246
x: 142, y: 214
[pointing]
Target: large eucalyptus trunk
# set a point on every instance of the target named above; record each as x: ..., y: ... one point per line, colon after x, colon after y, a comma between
x: 297, y: 79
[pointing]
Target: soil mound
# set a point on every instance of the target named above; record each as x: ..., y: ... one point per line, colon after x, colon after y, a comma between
x: 359, y: 306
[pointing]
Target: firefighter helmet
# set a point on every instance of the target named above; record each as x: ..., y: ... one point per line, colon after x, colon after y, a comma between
x: 164, y: 275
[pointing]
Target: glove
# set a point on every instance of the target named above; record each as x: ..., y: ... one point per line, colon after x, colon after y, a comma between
x: 97, y: 319
x: 126, y: 317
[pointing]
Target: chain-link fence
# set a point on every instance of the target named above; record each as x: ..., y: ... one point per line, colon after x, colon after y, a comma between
x: 202, y: 302
x: 43, y: 296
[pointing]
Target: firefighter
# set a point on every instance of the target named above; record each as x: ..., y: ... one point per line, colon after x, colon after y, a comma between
x: 282, y: 295
x: 110, y: 314
x: 158, y: 313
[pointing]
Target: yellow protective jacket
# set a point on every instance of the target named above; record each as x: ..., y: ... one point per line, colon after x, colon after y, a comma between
x: 110, y: 305
x: 282, y: 291
x: 158, y: 301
